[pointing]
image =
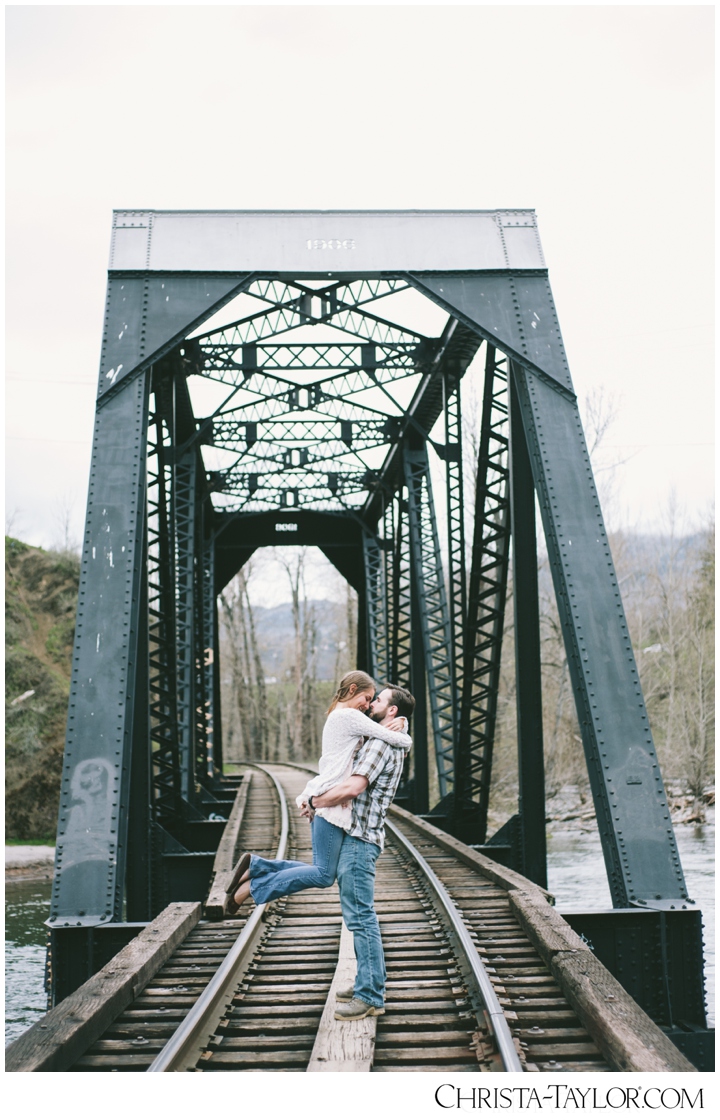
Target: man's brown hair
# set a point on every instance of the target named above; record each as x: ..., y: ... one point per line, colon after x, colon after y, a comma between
x: 403, y: 700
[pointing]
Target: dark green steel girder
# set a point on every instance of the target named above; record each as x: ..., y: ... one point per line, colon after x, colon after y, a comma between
x: 165, y: 786
x: 487, y: 587
x: 399, y: 605
x: 434, y: 616
x: 209, y: 647
x: 513, y: 311
x: 93, y: 817
x: 146, y: 315
x: 375, y: 605
x: 528, y: 677
x: 633, y: 817
x: 184, y: 513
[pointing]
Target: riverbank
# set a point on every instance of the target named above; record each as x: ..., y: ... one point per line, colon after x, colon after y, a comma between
x: 574, y: 807
x: 28, y: 861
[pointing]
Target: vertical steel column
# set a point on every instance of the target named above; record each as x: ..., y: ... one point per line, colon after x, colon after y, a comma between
x: 400, y: 665
x: 203, y: 636
x: 486, y: 607
x: 456, y: 532
x: 209, y: 644
x: 531, y: 766
x: 200, y: 735
x: 384, y: 636
x: 184, y: 512
x: 166, y: 792
x: 217, y: 706
x: 375, y: 601
x: 401, y: 607
x: 138, y: 877
x: 633, y: 818
x: 93, y: 819
x: 420, y: 801
x: 433, y: 615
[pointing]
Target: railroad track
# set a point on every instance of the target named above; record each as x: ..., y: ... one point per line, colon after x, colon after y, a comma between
x: 270, y: 1014
x: 143, y: 1029
x: 467, y: 989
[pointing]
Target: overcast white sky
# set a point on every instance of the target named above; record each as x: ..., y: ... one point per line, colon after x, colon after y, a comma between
x: 598, y: 117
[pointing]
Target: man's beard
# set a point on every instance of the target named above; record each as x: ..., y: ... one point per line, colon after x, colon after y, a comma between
x: 378, y: 717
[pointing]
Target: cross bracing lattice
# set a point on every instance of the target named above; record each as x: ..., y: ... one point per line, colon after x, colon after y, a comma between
x: 308, y: 423
x: 297, y: 305
x: 294, y: 405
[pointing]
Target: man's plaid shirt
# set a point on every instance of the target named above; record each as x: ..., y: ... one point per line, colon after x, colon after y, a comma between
x: 382, y: 765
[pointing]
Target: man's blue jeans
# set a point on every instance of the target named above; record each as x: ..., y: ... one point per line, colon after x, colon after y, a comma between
x: 274, y: 878
x: 356, y: 879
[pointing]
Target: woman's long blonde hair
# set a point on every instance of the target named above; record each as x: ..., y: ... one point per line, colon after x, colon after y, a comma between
x: 362, y: 682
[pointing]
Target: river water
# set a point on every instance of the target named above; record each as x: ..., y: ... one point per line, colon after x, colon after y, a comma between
x: 576, y: 876
x: 27, y: 904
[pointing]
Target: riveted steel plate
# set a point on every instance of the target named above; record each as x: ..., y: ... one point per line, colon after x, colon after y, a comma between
x: 324, y: 241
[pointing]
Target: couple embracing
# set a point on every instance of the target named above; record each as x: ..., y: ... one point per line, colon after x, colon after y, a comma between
x: 364, y: 746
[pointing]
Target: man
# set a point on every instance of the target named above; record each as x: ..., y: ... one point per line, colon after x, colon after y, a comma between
x: 376, y: 772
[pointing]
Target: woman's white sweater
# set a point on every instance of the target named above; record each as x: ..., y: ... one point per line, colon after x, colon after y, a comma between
x: 343, y: 730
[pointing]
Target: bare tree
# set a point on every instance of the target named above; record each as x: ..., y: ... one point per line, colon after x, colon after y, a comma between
x: 259, y: 691
x: 352, y: 626
x: 249, y: 707
x: 698, y: 692
x: 301, y: 703
x: 13, y: 521
x: 65, y: 540
x: 235, y: 719
x: 600, y: 414
x: 676, y: 650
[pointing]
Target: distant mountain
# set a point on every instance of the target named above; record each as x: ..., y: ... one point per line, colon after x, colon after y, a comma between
x: 640, y: 554
x: 276, y: 636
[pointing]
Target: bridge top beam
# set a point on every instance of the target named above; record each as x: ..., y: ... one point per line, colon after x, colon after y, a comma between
x: 322, y: 242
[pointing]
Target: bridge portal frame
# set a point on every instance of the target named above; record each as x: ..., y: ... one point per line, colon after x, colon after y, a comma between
x: 170, y: 272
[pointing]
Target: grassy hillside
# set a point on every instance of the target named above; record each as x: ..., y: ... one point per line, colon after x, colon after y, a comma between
x: 40, y: 600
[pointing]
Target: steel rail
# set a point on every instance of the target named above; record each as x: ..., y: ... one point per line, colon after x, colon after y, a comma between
x: 494, y: 1012
x: 491, y: 1004
x: 194, y: 1033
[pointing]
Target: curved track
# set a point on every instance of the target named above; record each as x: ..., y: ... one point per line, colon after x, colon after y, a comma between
x: 470, y: 996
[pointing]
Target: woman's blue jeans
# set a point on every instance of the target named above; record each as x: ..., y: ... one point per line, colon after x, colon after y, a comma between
x: 356, y: 879
x: 274, y: 878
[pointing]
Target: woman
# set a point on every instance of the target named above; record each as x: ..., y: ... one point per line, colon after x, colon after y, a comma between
x: 345, y: 726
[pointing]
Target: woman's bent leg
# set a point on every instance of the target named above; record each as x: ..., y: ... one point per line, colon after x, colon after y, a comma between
x: 326, y: 841
x: 261, y: 866
x: 270, y: 880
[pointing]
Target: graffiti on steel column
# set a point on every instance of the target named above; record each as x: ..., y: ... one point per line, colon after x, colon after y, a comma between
x: 92, y: 788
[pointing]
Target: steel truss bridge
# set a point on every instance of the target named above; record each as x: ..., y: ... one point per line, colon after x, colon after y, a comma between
x: 309, y: 412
